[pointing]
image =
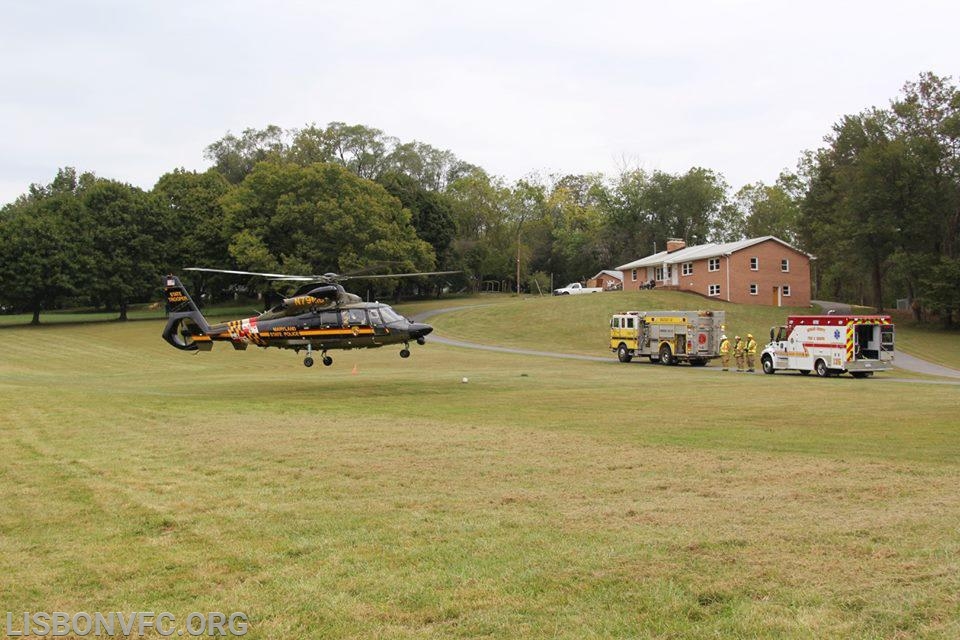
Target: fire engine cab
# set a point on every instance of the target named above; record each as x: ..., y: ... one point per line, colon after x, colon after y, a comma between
x: 831, y: 345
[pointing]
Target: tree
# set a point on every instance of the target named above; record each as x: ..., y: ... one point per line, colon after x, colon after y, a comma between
x: 644, y: 210
x: 125, y: 230
x: 433, y: 169
x: 362, y: 150
x: 190, y: 202
x: 234, y: 157
x: 485, y: 240
x: 431, y: 212
x: 882, y: 206
x: 768, y: 211
x: 316, y: 219
x: 940, y: 289
x: 42, y: 255
x: 574, y: 221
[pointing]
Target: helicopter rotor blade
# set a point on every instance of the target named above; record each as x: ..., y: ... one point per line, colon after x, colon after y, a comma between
x: 272, y: 276
x: 397, y: 275
x: 326, y: 277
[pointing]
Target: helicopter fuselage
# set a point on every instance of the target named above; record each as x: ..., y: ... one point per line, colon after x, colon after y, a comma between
x: 358, y: 325
x: 320, y: 318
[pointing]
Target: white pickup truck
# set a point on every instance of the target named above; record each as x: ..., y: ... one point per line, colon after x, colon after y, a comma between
x: 575, y: 288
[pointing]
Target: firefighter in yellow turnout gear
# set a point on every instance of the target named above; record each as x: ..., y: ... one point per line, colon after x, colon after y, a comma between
x: 725, y: 352
x: 751, y: 349
x: 738, y: 349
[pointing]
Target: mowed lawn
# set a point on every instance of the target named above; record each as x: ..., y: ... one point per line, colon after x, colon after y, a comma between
x: 544, y: 498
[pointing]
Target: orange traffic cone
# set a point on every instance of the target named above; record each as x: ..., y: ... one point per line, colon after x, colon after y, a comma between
x: 356, y: 368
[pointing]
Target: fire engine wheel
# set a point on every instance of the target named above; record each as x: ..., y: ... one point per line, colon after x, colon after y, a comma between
x: 623, y: 354
x: 821, y: 368
x: 767, y: 363
x: 665, y: 355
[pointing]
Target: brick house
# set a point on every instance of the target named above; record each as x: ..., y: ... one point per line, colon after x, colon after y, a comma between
x: 763, y: 270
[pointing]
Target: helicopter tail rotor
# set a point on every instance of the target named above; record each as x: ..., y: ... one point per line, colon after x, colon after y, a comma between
x: 186, y: 328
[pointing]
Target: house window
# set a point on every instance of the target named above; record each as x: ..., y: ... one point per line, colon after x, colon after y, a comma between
x: 785, y: 265
x: 658, y: 273
x: 713, y: 290
x: 754, y: 264
x: 713, y: 264
x: 687, y: 269
x: 785, y: 289
x: 633, y: 275
x: 753, y: 289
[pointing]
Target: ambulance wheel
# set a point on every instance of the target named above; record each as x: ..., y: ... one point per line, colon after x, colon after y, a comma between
x: 665, y: 356
x: 821, y: 368
x: 623, y: 355
x: 308, y: 362
x: 767, y: 363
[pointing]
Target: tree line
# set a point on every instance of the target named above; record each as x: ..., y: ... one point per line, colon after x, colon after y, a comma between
x: 878, y: 205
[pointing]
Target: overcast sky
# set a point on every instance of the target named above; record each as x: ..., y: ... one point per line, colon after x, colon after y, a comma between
x: 133, y: 89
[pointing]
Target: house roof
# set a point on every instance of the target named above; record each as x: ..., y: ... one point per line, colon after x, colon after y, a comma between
x: 614, y: 274
x: 701, y: 252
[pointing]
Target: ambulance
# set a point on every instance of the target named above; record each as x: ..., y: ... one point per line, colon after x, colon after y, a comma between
x: 831, y: 345
x: 668, y: 337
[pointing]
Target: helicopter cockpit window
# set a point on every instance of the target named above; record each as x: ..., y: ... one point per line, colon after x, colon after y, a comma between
x: 329, y: 319
x: 389, y: 315
x: 375, y: 319
x: 354, y: 317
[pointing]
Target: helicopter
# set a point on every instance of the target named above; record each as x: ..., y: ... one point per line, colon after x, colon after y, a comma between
x: 320, y: 316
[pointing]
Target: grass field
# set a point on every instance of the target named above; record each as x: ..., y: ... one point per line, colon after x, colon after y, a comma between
x: 545, y: 498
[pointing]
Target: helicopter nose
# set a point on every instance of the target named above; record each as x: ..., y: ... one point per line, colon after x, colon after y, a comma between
x: 419, y: 330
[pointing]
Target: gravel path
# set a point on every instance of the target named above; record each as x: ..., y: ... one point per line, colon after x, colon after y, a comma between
x: 836, y: 307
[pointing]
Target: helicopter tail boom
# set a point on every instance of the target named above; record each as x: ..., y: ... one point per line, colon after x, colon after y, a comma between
x: 186, y: 328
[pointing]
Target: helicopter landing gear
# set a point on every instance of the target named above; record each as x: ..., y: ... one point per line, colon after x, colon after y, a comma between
x: 421, y: 341
x: 327, y: 360
x: 405, y: 352
x: 308, y: 361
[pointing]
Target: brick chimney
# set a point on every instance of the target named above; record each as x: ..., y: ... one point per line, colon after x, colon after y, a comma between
x: 675, y: 244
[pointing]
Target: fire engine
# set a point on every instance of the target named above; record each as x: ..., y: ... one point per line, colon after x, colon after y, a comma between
x: 667, y: 337
x: 831, y: 345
